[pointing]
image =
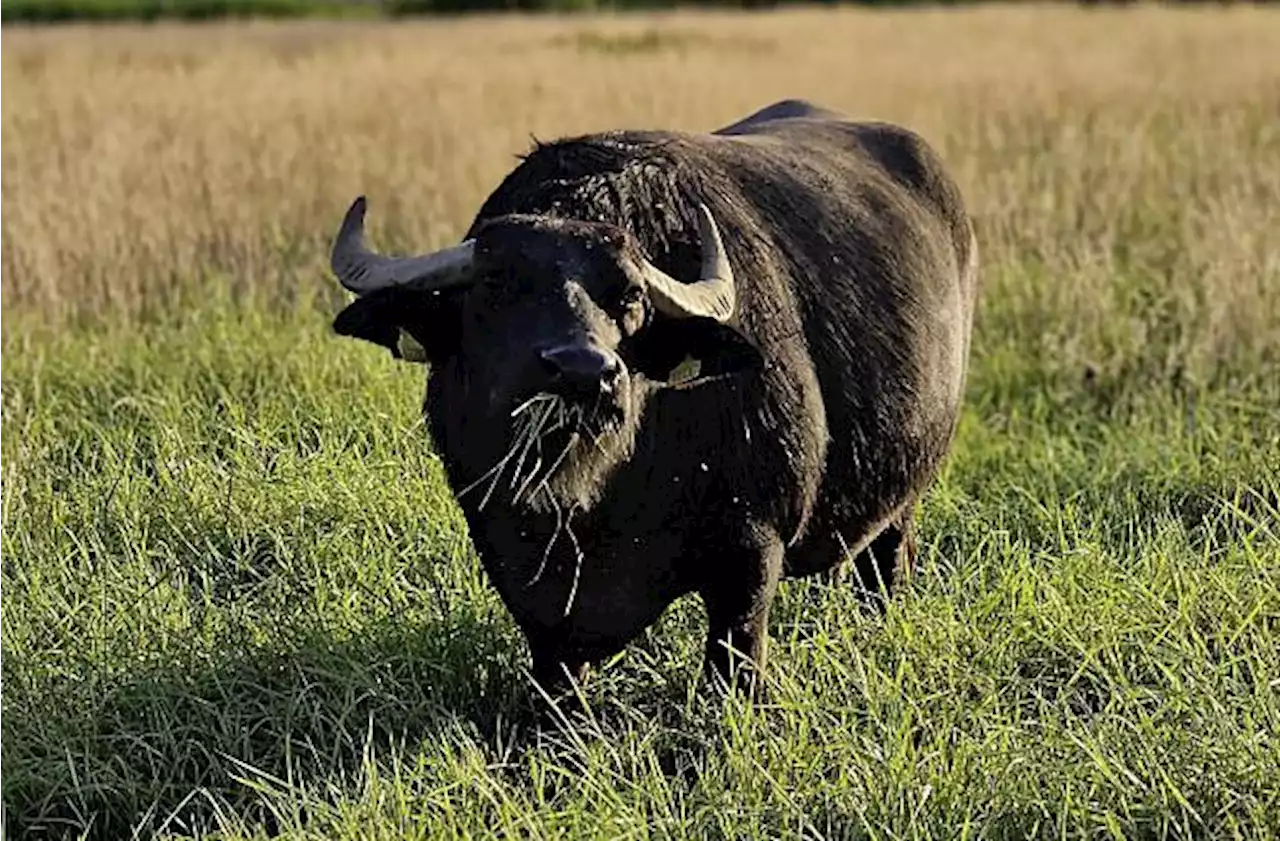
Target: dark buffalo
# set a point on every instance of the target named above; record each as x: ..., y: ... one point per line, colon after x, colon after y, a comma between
x: 665, y: 363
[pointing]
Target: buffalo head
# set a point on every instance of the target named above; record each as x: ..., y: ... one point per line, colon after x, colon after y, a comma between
x: 549, y: 330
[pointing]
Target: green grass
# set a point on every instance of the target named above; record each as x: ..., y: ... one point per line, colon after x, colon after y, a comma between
x: 238, y: 596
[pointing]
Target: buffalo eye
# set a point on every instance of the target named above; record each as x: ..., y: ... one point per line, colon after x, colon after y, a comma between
x: 501, y: 287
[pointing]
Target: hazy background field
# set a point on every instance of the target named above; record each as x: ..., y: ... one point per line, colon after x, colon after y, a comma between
x: 236, y: 592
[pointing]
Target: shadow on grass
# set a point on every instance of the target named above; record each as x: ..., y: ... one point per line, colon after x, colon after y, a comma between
x: 169, y: 741
x: 1120, y: 511
x: 110, y: 756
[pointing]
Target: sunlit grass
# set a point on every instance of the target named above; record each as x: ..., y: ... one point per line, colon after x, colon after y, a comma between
x: 237, y: 593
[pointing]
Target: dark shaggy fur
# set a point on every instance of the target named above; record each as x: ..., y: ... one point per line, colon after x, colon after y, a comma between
x: 827, y: 406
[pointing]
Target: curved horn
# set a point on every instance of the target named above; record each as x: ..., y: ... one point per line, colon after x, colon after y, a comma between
x: 362, y: 271
x: 713, y: 296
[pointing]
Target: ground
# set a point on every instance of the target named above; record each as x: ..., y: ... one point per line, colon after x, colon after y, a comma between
x: 238, y: 597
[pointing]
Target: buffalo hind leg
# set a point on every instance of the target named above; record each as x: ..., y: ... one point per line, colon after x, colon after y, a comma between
x: 888, y: 559
x: 738, y: 602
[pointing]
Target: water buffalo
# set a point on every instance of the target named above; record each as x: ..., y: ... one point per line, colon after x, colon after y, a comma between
x: 664, y: 363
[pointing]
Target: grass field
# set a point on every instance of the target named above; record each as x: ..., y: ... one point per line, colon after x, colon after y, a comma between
x: 237, y: 595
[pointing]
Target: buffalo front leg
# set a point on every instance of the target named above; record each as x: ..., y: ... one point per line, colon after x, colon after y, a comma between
x: 555, y: 668
x: 557, y: 673
x: 738, y: 600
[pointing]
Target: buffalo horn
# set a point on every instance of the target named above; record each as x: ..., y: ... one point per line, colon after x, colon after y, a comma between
x: 713, y: 296
x: 362, y: 271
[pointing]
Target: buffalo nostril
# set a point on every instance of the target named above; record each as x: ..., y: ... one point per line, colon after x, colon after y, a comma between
x: 580, y: 365
x: 550, y: 363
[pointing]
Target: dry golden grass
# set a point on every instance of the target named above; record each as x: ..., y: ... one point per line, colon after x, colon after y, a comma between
x: 1124, y: 165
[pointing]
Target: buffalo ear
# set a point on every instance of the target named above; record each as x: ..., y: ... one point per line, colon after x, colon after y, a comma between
x: 684, y: 353
x: 413, y: 326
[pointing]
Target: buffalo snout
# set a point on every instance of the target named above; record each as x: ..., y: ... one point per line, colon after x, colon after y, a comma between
x: 580, y: 369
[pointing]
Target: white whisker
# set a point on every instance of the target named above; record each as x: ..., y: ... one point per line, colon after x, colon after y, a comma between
x: 540, y: 397
x: 524, y: 432
x: 537, y: 464
x: 537, y: 422
x: 577, y: 565
x: 546, y: 553
x: 532, y: 421
x: 498, y: 475
x: 546, y: 477
x: 501, y: 463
